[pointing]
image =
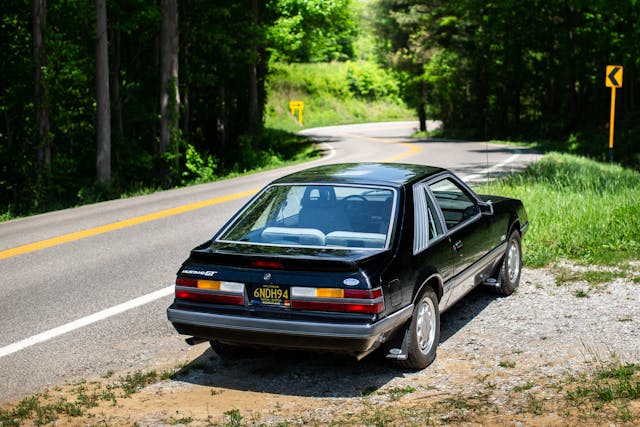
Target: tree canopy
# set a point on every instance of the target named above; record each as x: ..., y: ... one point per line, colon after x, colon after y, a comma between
x: 153, y: 83
x: 177, y: 87
x: 511, y: 68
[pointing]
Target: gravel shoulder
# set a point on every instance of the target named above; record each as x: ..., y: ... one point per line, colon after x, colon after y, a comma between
x: 501, y: 360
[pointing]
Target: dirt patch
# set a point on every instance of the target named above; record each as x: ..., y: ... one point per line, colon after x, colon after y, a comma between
x: 512, y: 360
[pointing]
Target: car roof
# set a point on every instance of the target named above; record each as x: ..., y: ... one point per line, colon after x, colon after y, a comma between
x: 388, y: 174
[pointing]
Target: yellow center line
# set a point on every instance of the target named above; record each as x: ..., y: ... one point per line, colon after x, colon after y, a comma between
x: 54, y: 241
x: 31, y: 247
x: 413, y: 149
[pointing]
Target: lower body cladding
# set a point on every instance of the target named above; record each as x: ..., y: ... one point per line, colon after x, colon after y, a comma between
x: 354, y: 339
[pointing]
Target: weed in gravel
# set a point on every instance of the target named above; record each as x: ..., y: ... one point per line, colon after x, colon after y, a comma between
x: 535, y: 405
x: 581, y: 293
x: 132, y: 383
x: 507, y: 364
x: 616, y: 386
x: 180, y: 421
x: 395, y: 393
x: 520, y: 388
x: 378, y: 418
x: 233, y: 418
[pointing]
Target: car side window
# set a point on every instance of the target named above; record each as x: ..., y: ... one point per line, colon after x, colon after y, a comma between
x: 456, y: 205
x: 427, y: 225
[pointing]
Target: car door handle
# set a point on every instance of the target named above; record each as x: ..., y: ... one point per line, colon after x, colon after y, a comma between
x: 458, y: 245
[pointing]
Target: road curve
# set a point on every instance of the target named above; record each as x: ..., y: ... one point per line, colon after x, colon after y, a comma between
x: 84, y: 290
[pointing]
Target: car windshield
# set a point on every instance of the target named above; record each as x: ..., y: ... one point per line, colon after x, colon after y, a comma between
x: 333, y: 216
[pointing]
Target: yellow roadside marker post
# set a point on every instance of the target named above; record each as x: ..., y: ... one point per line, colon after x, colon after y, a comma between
x: 297, y: 106
x: 613, y: 80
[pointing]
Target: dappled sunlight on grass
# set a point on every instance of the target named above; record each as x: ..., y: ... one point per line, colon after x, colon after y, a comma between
x: 578, y: 209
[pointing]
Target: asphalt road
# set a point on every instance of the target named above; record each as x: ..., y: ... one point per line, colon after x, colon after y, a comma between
x: 84, y: 291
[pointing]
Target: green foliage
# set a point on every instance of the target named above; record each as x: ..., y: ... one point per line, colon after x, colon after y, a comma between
x: 233, y: 418
x: 312, y: 30
x: 42, y: 408
x: 617, y: 386
x: 198, y: 169
x: 333, y: 93
x: 578, y: 209
x: 514, y: 69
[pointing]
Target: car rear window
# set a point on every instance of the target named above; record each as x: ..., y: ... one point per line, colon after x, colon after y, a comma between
x: 332, y: 216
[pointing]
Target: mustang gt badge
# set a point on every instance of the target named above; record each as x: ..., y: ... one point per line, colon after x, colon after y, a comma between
x: 206, y: 273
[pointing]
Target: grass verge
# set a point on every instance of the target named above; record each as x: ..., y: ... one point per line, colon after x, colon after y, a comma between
x: 578, y: 209
x: 333, y: 94
x: 51, y: 407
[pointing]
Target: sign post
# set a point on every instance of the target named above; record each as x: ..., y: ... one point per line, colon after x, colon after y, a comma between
x: 297, y: 106
x: 613, y: 80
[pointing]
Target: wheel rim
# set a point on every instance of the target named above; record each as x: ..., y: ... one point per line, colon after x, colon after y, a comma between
x: 426, y: 325
x: 513, y: 261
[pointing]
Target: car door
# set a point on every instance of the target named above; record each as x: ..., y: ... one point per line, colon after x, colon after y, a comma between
x: 467, y: 231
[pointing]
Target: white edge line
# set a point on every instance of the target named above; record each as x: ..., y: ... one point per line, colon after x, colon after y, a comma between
x: 145, y: 299
x: 480, y: 174
x: 109, y: 312
x: 85, y: 321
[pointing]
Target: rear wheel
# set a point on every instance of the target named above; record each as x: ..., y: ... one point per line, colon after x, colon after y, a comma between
x: 423, y: 333
x: 511, y: 266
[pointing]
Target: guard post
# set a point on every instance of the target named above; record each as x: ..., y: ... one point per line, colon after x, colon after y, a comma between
x: 613, y: 80
x: 297, y: 106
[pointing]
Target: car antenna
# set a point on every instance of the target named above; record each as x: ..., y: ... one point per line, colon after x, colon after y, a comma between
x: 486, y: 144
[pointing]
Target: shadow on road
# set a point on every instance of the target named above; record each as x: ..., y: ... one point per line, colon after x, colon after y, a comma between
x: 307, y: 374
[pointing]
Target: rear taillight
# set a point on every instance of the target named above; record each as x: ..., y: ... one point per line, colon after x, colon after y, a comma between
x: 210, y: 291
x: 331, y: 299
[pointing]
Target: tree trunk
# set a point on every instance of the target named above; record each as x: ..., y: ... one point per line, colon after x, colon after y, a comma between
x: 169, y: 93
x: 103, y: 123
x: 115, y: 82
x: 184, y: 54
x: 255, y: 119
x: 422, y: 106
x: 40, y: 93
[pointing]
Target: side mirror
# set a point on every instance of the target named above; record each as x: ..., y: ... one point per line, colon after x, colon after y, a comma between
x: 486, y: 208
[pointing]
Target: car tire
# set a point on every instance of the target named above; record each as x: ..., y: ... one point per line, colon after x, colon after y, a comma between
x: 423, y: 333
x: 228, y: 351
x: 511, y: 268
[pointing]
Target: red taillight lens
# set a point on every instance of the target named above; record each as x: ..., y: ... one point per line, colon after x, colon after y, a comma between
x: 184, y: 281
x: 210, y: 291
x: 343, y: 300
x: 215, y: 298
x: 372, y: 308
x: 358, y: 293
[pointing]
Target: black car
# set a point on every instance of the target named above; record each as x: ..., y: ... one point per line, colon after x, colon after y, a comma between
x: 348, y: 258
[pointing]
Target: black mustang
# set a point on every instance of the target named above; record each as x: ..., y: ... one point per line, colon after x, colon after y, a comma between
x: 347, y: 258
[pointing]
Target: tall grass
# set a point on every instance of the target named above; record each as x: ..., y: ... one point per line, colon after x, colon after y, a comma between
x: 578, y: 209
x: 333, y: 93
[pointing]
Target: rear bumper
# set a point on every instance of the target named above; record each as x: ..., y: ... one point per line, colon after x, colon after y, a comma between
x: 351, y: 338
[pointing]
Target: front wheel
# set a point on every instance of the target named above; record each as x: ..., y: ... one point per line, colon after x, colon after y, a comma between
x: 511, y: 266
x: 423, y: 333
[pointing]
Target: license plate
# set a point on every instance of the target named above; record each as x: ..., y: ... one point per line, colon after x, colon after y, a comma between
x: 273, y: 295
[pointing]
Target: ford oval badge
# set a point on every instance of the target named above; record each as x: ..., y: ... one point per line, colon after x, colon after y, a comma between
x: 351, y: 282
